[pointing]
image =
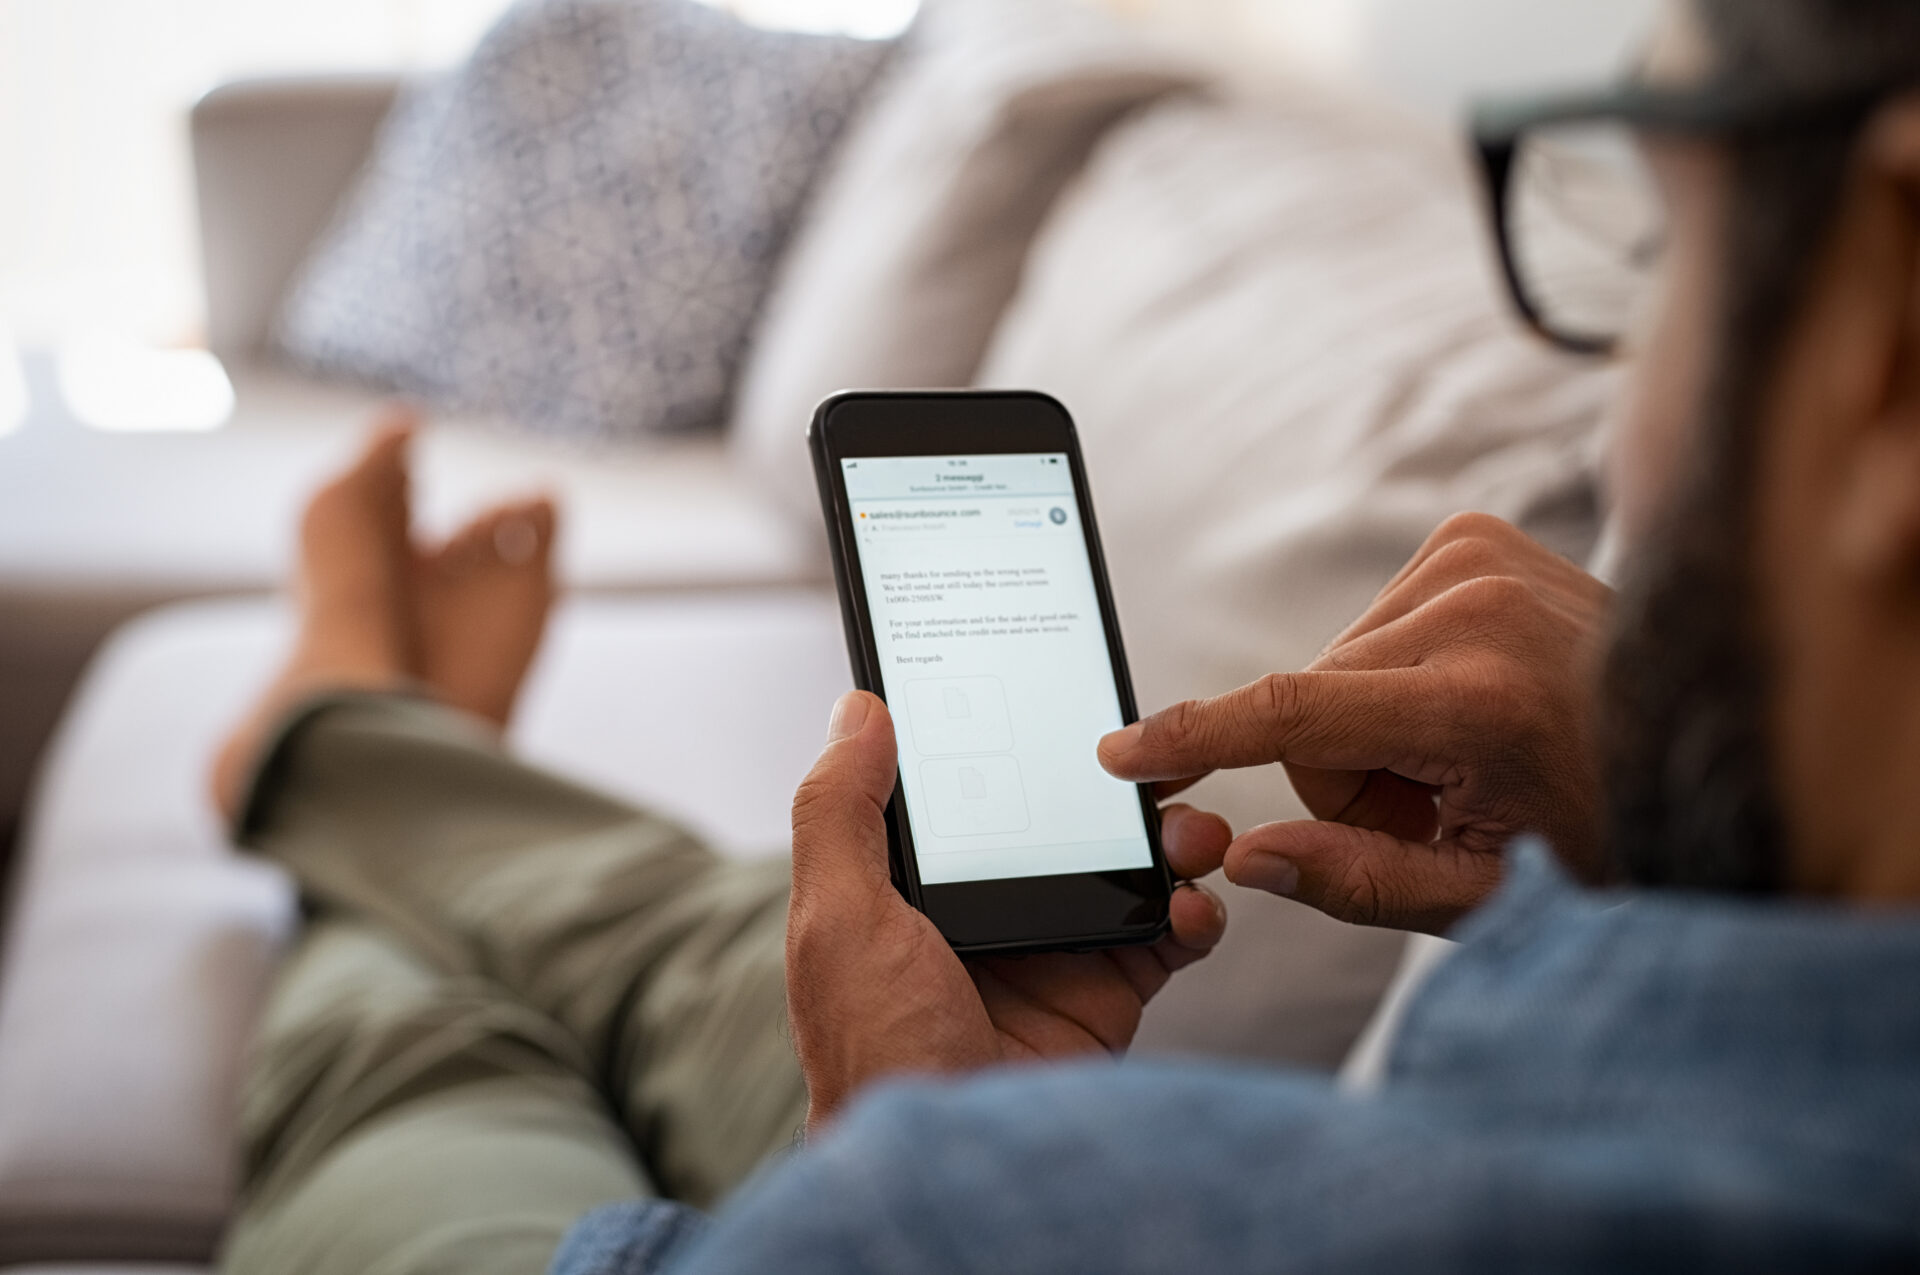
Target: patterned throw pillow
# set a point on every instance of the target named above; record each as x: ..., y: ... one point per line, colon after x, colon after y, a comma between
x: 575, y: 230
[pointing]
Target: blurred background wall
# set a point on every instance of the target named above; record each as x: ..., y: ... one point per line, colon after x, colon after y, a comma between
x: 1431, y: 53
x: 96, y: 214
x: 96, y: 222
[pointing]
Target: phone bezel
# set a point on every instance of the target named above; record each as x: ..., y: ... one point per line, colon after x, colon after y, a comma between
x: 1078, y: 911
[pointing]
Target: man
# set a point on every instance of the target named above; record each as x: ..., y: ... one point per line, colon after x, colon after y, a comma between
x: 1718, y: 1069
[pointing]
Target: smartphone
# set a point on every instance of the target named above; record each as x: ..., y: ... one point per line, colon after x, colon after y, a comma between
x: 977, y: 606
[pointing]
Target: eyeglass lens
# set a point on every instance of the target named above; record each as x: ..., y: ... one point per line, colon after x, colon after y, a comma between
x: 1587, y: 227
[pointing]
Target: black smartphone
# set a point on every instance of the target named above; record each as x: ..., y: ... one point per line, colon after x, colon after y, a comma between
x: 977, y: 607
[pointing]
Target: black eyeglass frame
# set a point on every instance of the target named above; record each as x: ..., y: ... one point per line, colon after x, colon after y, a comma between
x: 1498, y: 128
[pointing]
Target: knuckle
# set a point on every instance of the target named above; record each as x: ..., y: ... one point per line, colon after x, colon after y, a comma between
x: 1345, y: 657
x: 1277, y: 698
x: 1493, y: 597
x: 1471, y: 525
x: 1464, y: 558
x: 1174, y: 728
x: 1502, y: 692
x: 1353, y: 894
x: 813, y: 800
x: 809, y: 943
x: 810, y: 909
x: 803, y: 924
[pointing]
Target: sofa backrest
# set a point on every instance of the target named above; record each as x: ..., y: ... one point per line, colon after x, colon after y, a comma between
x: 271, y: 160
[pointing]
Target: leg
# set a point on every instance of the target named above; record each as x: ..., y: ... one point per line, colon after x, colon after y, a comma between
x: 580, y: 919
x: 663, y: 962
x: 400, y: 1120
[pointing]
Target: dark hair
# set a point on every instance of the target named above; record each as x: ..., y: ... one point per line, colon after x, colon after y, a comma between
x: 1811, y: 46
x: 1691, y: 794
x: 1787, y: 180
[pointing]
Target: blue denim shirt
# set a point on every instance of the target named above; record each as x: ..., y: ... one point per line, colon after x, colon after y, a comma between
x: 1594, y: 1082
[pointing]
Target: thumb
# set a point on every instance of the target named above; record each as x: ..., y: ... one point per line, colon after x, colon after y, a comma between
x: 839, y: 819
x: 1364, y: 876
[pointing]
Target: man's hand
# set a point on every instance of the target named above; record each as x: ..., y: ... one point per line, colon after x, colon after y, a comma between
x: 873, y: 989
x: 1454, y: 714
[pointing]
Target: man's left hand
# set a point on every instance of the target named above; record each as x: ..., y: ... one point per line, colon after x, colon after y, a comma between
x: 874, y: 990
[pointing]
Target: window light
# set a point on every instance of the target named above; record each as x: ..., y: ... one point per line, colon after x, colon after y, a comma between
x: 14, y: 403
x: 122, y: 387
x: 867, y: 19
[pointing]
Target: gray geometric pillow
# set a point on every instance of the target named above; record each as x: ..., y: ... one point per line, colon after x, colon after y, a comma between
x: 575, y: 229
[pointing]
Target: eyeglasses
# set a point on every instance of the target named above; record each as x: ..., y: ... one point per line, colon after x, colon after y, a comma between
x: 1580, y: 222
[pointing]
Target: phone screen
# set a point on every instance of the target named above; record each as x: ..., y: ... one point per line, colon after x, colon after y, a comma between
x: 995, y: 665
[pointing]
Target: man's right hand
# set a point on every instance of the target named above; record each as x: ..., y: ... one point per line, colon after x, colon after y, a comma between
x: 1455, y: 714
x: 874, y: 990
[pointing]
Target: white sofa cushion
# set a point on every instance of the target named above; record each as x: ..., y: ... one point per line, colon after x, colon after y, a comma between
x: 139, y: 944
x: 116, y: 1268
x: 129, y: 995
x: 1303, y: 368
x: 913, y: 246
x: 136, y: 953
x: 160, y: 516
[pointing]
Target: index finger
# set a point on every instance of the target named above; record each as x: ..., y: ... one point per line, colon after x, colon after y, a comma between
x: 1363, y: 720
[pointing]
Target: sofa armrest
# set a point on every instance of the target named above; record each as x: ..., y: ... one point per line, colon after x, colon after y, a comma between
x: 271, y: 159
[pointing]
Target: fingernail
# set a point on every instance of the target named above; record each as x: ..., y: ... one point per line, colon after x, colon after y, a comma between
x: 1271, y: 873
x: 1122, y: 742
x: 1213, y: 900
x: 849, y: 715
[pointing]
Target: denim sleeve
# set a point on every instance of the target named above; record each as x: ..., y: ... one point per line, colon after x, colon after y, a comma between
x: 639, y: 1237
x: 1051, y: 1171
x: 1140, y: 1170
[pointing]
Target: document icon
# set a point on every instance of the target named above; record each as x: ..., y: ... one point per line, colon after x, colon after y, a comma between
x: 951, y: 716
x: 974, y: 797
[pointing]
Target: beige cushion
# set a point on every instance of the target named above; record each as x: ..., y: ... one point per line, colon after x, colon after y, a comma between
x: 159, y: 516
x: 1303, y: 368
x: 129, y: 995
x: 139, y: 944
x: 913, y: 245
x: 270, y: 160
x: 137, y: 951
x: 90, y: 1268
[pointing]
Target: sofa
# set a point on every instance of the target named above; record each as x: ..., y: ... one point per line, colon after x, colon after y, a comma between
x: 1263, y: 295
